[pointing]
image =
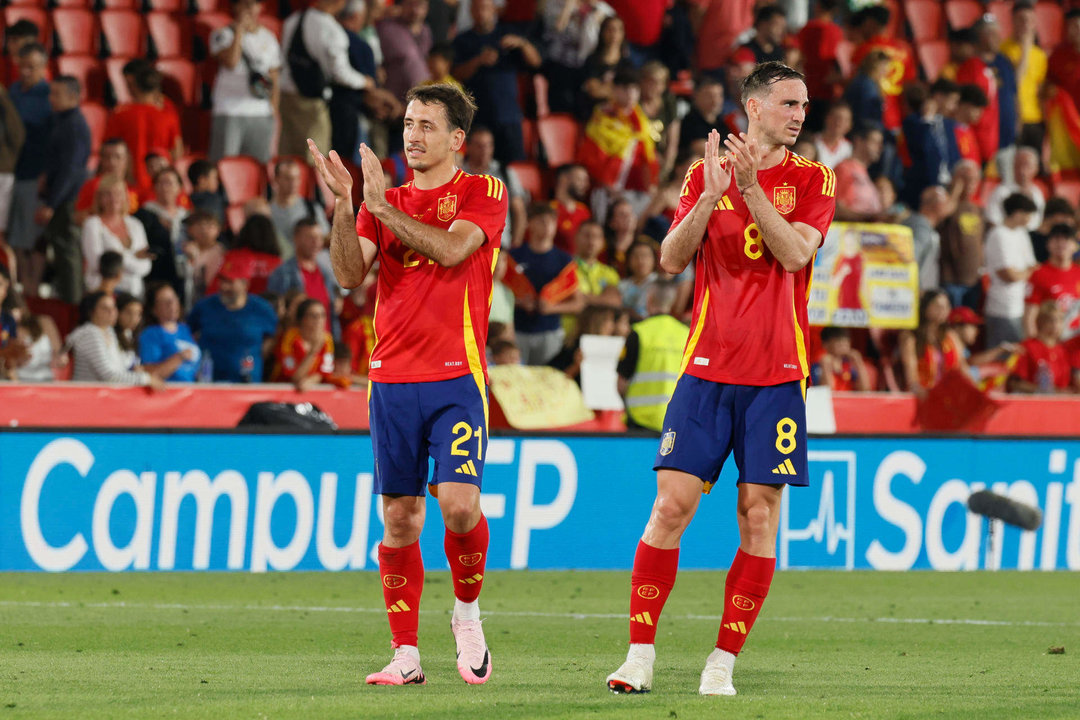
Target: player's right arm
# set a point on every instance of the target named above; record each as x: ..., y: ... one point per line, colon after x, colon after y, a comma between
x: 351, y: 255
x: 684, y: 239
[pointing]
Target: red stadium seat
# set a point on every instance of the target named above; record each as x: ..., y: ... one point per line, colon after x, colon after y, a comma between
x: 37, y: 3
x: 529, y: 138
x: 124, y: 32
x: 234, y: 216
x: 195, y: 128
x: 1002, y: 11
x: 531, y: 177
x: 204, y: 25
x: 307, y: 174
x: 89, y: 71
x: 924, y: 17
x: 119, y: 4
x: 1068, y: 188
x: 96, y: 116
x: 183, y: 164
x: 34, y: 14
x: 114, y: 71
x: 172, y: 6
x: 180, y: 81
x: 844, y: 51
x: 962, y: 13
x: 540, y: 91
x: 559, y: 135
x: 76, y: 31
x: 242, y: 178
x: 933, y: 56
x: 1049, y: 23
x: 209, y: 6
x: 895, y: 28
x: 170, y: 34
x: 67, y: 3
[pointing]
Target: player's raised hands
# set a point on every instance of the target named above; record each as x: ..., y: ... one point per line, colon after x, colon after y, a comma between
x: 717, y: 178
x: 746, y: 158
x: 333, y: 171
x: 374, y: 181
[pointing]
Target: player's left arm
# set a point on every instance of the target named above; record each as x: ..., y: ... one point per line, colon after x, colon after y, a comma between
x: 792, y: 244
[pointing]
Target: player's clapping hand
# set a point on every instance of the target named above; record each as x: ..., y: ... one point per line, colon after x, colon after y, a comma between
x: 717, y: 178
x: 746, y: 157
x: 374, y: 180
x: 333, y: 172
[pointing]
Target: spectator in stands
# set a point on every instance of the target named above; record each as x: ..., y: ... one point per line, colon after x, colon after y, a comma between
x: 113, y: 161
x: 206, y: 189
x: 864, y: 93
x: 934, y: 207
x: 7, y: 320
x: 288, y: 206
x: 480, y: 160
x: 1065, y: 58
x: 962, y: 238
x: 166, y: 338
x: 987, y: 368
x: 146, y: 125
x: 661, y: 108
x: 502, y: 296
x: 537, y: 320
x: 358, y: 337
x: 39, y: 335
x: 129, y: 312
x: 999, y: 77
x: 505, y: 352
x: 489, y: 57
x: 770, y: 41
x: 1058, y: 211
x: 857, y: 198
x: 17, y: 36
x: 635, y: 288
x: 1043, y: 365
x: 832, y: 144
x: 599, y: 69
x: 112, y: 228
x: 1029, y: 60
x: 819, y: 41
x: 96, y: 349
x: 618, y: 149
x: 569, y: 200
x: 30, y: 96
x: 245, y: 95
x: 1057, y: 279
x: 440, y: 63
x: 929, y: 141
x: 406, y: 41
x: 870, y: 31
x: 655, y: 219
x: 111, y: 270
x: 621, y: 232
x: 205, y: 254
x: 12, y: 136
x: 840, y: 366
x: 233, y: 326
x: 65, y: 172
x: 256, y: 250
x: 309, y: 270
x: 1025, y: 169
x: 932, y: 349
x: 592, y: 320
x: 599, y: 283
x: 571, y: 30
x: 652, y: 360
x: 1009, y: 263
x: 970, y: 108
x: 303, y: 108
x: 163, y: 220
x: 704, y: 115
x: 305, y: 355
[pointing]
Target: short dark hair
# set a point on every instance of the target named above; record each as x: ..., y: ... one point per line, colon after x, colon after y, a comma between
x: 169, y: 170
x: 973, y: 95
x: 966, y: 35
x: 258, y: 234
x: 110, y: 264
x: 768, y: 12
x: 765, y: 75
x: 148, y: 79
x: 1073, y: 14
x: 1018, y: 202
x: 1021, y: 5
x: 304, y: 223
x: 304, y: 306
x: 1062, y: 230
x: 200, y: 169
x: 478, y: 130
x: 22, y: 29
x: 70, y: 83
x: 834, y: 333
x: 109, y: 142
x: 537, y: 209
x: 1059, y: 206
x: 444, y: 50
x: 88, y: 304
x: 458, y: 105
x: 198, y: 216
x: 566, y: 169
x: 135, y: 66
x: 864, y: 129
x: 879, y: 14
x: 31, y: 48
x: 626, y: 75
x: 944, y: 86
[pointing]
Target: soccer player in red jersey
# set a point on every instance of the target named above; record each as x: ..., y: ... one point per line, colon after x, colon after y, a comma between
x: 436, y: 239
x: 752, y: 221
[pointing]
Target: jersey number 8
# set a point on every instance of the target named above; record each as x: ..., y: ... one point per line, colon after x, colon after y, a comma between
x: 752, y: 248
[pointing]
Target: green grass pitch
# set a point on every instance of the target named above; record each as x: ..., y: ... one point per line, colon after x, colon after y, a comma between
x: 297, y: 645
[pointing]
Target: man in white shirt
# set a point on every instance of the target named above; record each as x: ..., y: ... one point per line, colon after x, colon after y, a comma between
x: 304, y: 111
x: 1010, y: 261
x: 1025, y: 169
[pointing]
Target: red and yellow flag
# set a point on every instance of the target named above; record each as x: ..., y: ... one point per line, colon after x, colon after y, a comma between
x: 1063, y: 131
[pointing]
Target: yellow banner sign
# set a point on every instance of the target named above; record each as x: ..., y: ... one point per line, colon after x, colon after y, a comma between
x: 534, y: 397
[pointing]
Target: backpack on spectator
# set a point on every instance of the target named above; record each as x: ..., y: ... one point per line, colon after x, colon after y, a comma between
x: 306, y: 72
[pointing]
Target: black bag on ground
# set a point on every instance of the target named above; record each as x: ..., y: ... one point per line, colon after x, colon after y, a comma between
x: 308, y: 75
x: 302, y: 416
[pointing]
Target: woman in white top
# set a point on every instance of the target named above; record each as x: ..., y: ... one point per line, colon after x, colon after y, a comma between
x: 245, y: 92
x: 98, y: 357
x: 114, y: 229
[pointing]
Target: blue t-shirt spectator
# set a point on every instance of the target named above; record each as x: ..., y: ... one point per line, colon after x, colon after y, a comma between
x: 7, y: 328
x: 156, y: 344
x: 540, y: 269
x: 1007, y: 110
x: 233, y: 338
x: 34, y: 109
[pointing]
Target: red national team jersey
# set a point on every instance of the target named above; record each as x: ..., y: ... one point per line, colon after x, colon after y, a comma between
x: 901, y: 72
x: 431, y: 322
x: 1052, y: 283
x: 290, y: 353
x: 1038, y: 357
x: 749, y: 325
x: 567, y: 223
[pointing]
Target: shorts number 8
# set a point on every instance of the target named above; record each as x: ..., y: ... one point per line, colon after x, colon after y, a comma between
x: 785, y: 435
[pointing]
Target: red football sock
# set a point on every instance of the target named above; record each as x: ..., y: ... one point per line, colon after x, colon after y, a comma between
x: 747, y: 585
x: 650, y: 584
x: 402, y: 572
x: 467, y: 553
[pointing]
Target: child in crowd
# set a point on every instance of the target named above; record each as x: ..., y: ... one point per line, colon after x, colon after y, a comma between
x: 1044, y: 363
x: 840, y: 366
x: 206, y: 189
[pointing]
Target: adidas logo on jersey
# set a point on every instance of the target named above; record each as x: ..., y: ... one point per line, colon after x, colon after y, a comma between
x: 642, y: 618
x: 784, y: 468
x: 738, y: 627
x: 399, y: 606
x: 467, y: 469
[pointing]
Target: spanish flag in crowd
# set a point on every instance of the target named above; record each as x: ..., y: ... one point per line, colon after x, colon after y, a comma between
x: 619, y: 149
x: 1063, y: 131
x: 561, y: 287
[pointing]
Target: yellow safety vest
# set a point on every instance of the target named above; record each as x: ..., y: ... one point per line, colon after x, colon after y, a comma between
x: 661, y: 341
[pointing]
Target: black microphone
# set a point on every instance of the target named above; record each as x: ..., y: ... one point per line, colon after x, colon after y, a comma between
x: 999, y: 507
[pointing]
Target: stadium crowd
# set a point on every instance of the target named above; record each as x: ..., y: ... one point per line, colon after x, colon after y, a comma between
x: 187, y: 226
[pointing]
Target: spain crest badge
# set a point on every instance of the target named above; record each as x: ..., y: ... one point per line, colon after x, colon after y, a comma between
x: 783, y: 199
x: 447, y: 208
x: 667, y: 443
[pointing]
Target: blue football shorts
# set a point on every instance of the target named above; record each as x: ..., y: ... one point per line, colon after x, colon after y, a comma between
x: 410, y: 422
x: 765, y: 426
